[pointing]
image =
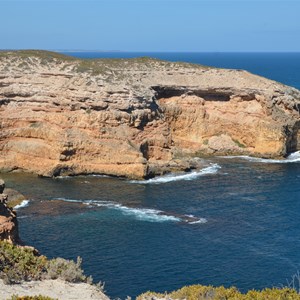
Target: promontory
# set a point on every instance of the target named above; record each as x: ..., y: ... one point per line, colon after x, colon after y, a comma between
x: 135, y: 117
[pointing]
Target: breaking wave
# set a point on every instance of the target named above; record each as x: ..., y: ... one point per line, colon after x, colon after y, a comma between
x: 212, y: 169
x: 200, y: 221
x: 24, y: 203
x: 292, y: 158
x: 142, y: 214
x: 84, y: 176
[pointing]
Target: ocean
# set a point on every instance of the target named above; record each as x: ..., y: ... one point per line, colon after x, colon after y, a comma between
x: 233, y: 223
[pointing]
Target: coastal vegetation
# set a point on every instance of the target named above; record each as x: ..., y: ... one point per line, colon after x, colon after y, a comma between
x: 39, y: 297
x: 108, y: 66
x: 43, y: 54
x: 19, y: 264
x: 200, y: 292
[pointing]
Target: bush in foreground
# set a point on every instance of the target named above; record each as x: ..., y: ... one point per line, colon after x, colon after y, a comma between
x: 200, y: 292
x: 67, y: 270
x: 24, y: 264
x: 20, y: 263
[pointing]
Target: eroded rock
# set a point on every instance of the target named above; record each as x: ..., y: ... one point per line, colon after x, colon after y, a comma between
x: 65, y: 116
x: 8, y: 219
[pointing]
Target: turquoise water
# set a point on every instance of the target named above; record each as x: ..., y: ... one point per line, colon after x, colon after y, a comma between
x: 236, y: 222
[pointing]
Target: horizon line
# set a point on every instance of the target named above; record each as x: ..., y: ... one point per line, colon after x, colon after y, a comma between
x: 149, y: 51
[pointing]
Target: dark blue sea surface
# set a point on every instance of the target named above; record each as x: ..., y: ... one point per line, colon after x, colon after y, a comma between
x: 235, y: 222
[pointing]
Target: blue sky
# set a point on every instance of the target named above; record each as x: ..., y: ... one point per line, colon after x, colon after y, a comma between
x: 157, y: 25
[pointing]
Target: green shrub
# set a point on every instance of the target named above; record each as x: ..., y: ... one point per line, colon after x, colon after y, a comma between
x: 65, y: 269
x: 200, y: 292
x: 239, y: 144
x: 24, y: 263
x: 20, y: 263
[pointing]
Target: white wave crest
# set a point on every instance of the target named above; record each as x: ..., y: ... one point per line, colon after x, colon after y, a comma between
x: 24, y: 203
x: 200, y: 221
x: 212, y: 169
x: 292, y: 158
x: 147, y: 214
x: 191, y: 219
x: 142, y: 214
x: 72, y: 200
x: 82, y: 176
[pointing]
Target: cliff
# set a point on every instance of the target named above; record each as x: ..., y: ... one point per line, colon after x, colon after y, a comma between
x: 135, y: 117
x: 8, y: 219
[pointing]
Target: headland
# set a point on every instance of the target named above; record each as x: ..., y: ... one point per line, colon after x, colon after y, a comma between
x: 136, y: 118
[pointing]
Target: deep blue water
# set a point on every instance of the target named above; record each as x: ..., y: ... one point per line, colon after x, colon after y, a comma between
x: 248, y: 214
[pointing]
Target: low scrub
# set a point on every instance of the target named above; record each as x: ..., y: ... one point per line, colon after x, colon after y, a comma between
x: 200, y: 292
x: 39, y: 297
x: 67, y: 270
x: 20, y: 263
x: 24, y: 264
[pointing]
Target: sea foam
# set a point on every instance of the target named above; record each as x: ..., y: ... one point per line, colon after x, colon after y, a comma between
x: 292, y: 158
x: 24, y: 203
x: 212, y: 169
x: 142, y: 214
x: 200, y: 221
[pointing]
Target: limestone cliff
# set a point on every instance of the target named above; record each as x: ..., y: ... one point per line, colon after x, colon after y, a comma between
x: 135, y: 117
x: 8, y: 219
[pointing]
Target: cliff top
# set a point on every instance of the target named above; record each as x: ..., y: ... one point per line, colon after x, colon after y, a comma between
x: 143, y: 78
x: 94, y: 66
x: 141, y: 71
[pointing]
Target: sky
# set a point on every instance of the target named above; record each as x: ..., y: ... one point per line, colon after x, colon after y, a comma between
x: 151, y: 25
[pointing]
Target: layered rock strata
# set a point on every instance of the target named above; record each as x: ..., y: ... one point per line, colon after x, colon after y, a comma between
x: 135, y: 117
x: 8, y: 219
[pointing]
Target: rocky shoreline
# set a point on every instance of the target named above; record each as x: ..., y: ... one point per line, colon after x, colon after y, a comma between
x: 23, y: 265
x: 8, y: 219
x: 135, y: 118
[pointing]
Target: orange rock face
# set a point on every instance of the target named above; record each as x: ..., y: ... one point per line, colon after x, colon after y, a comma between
x: 135, y: 118
x: 8, y: 219
x: 224, y: 127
